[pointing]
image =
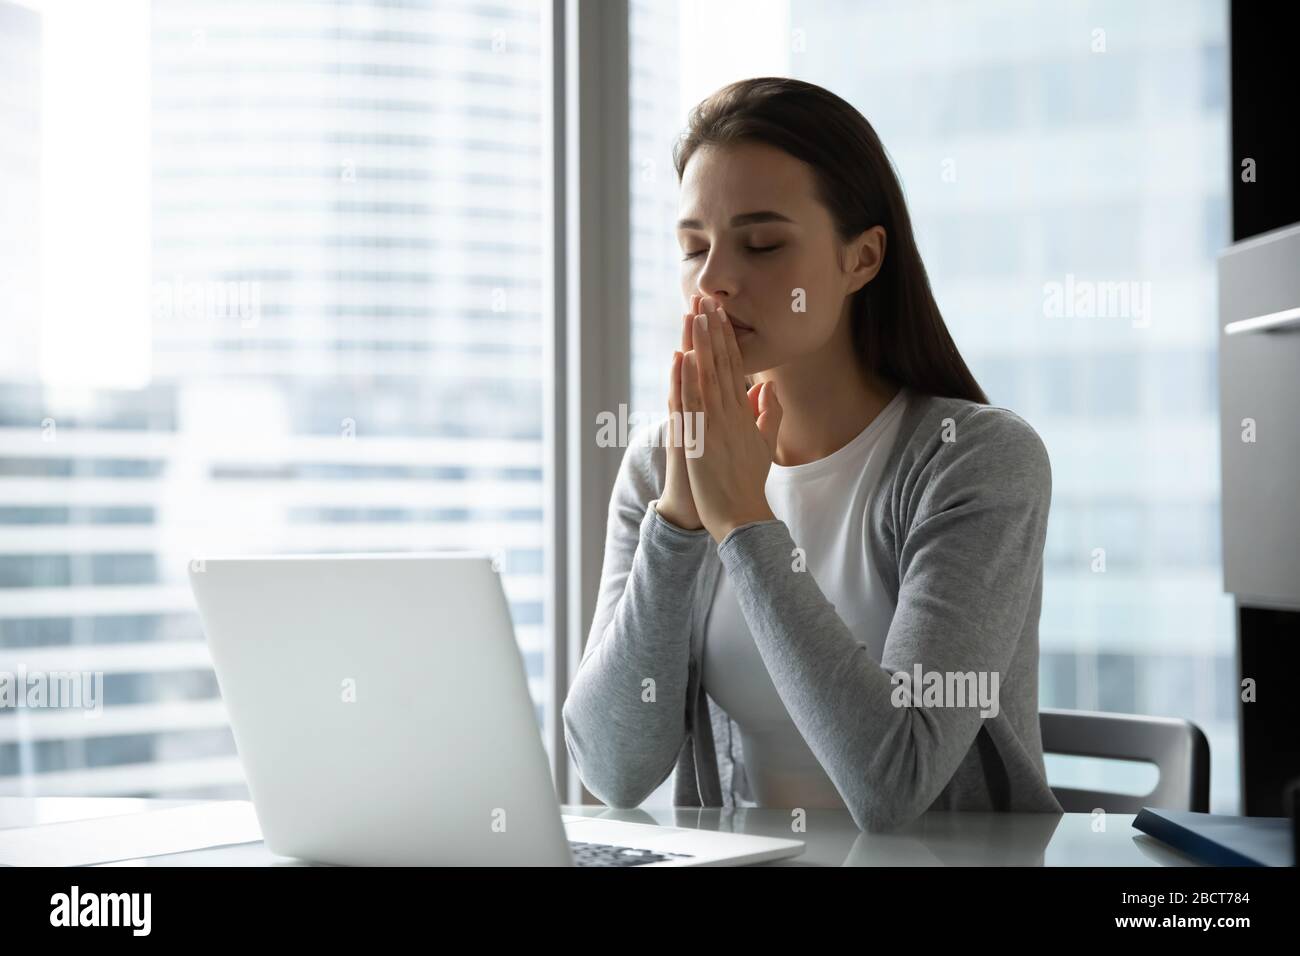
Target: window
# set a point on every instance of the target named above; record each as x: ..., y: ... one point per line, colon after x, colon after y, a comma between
x: 1076, y: 153
x: 277, y: 281
x: 322, y: 228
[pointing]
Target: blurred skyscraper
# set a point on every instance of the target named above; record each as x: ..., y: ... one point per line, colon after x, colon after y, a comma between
x: 346, y: 354
x: 1040, y: 146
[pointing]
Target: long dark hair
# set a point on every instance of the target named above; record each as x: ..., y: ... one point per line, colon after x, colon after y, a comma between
x: 898, y: 332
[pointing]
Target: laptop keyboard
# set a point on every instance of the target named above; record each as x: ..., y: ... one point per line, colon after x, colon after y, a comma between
x: 607, y: 854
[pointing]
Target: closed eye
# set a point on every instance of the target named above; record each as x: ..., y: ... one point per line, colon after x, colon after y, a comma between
x: 692, y: 255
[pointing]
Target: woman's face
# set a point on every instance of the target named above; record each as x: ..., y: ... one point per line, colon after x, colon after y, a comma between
x: 754, y: 236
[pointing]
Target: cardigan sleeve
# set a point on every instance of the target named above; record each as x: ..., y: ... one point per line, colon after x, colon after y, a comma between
x: 969, y: 560
x: 625, y: 713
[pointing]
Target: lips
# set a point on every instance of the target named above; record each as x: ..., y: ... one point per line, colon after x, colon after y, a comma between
x: 736, y: 323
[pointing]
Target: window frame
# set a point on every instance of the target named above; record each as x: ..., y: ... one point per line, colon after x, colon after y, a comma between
x: 587, y: 341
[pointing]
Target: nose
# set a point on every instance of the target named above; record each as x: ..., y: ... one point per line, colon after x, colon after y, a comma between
x: 717, y: 279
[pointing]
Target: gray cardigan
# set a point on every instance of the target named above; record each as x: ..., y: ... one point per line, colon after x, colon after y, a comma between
x: 957, y: 528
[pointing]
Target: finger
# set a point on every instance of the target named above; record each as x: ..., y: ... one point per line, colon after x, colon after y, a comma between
x: 675, y: 403
x: 769, y: 416
x: 711, y: 401
x: 733, y: 358
x: 675, y: 382
x: 721, y: 358
x: 692, y: 400
x: 752, y: 395
x: 687, y: 319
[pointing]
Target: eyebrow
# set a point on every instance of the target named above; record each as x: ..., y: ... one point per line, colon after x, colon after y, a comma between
x: 744, y: 219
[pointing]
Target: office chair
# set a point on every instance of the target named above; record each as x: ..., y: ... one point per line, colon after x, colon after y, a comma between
x: 1178, y: 748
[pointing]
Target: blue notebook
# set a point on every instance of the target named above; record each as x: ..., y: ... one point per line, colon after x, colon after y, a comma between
x: 1221, y: 840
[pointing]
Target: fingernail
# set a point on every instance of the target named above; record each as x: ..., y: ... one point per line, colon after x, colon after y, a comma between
x: 702, y: 323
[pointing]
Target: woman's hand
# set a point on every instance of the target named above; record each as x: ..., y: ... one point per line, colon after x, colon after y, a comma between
x: 676, y: 504
x: 728, y: 478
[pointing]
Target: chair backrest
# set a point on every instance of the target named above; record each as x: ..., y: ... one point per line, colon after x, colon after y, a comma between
x: 1178, y: 748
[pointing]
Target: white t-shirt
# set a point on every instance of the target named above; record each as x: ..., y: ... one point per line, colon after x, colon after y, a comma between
x: 825, y: 503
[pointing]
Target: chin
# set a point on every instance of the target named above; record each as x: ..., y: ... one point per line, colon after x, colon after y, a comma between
x: 753, y: 360
x: 750, y: 361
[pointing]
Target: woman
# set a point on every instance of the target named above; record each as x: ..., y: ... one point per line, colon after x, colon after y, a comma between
x: 833, y: 599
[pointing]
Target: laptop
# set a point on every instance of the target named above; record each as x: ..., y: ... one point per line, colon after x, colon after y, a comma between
x: 382, y: 715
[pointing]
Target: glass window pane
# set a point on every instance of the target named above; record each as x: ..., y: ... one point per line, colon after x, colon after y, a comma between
x: 1070, y: 161
x: 341, y: 328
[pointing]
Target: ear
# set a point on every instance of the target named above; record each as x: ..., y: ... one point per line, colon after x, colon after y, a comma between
x: 865, y: 255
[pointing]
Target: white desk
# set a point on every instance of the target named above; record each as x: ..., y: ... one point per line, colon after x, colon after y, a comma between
x: 937, y: 839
